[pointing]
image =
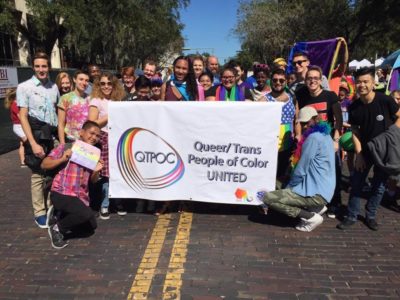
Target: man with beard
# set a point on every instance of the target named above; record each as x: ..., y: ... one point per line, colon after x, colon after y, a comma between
x: 288, y: 125
x: 213, y: 67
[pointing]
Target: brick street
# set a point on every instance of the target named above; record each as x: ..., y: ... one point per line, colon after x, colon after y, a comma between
x: 232, y: 253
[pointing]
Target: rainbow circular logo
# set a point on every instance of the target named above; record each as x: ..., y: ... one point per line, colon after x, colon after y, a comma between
x: 128, y: 165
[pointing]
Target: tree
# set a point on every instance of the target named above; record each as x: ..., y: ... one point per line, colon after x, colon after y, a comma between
x: 111, y: 33
x: 269, y: 28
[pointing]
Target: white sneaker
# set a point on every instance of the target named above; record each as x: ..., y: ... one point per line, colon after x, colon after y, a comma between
x: 310, y: 224
x: 104, y: 213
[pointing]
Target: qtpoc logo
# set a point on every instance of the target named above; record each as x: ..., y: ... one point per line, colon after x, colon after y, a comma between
x: 147, y: 161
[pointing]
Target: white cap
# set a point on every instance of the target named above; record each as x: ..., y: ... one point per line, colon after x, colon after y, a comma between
x: 306, y: 113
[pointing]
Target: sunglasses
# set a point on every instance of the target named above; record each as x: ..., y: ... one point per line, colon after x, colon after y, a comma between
x: 280, y: 80
x: 299, y: 62
x: 108, y: 83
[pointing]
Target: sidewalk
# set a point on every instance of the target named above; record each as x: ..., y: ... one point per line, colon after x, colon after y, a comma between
x: 236, y: 254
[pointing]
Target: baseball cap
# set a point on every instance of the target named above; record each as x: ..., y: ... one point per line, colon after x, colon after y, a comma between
x: 306, y: 113
x: 280, y: 62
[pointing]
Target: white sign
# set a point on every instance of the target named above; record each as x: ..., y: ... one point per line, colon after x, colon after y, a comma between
x: 8, y: 79
x: 222, y: 152
x: 85, y: 154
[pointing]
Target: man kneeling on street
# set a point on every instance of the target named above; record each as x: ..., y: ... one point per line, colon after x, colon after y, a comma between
x: 312, y: 182
x: 69, y: 191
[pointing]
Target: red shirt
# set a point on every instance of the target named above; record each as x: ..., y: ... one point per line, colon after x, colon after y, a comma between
x: 14, y: 110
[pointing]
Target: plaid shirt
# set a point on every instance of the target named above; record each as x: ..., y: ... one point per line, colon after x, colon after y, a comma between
x: 72, y: 179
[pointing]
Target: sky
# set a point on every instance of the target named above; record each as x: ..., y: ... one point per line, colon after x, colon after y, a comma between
x: 209, y: 24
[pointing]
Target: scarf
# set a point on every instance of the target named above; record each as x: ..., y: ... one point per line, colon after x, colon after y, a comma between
x: 222, y: 94
x: 181, y: 86
x: 322, y: 127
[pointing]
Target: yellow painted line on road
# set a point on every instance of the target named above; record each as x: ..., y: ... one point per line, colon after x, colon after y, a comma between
x: 173, y: 279
x: 146, y: 270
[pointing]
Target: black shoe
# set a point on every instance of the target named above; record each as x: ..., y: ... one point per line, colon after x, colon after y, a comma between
x: 57, y: 239
x: 346, y: 224
x: 371, y: 224
x: 104, y: 213
x: 121, y: 211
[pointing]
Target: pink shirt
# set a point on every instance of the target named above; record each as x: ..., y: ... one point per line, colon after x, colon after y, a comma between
x: 102, y: 106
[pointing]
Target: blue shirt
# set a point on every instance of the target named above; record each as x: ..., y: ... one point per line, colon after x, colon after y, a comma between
x: 39, y: 99
x: 315, y: 171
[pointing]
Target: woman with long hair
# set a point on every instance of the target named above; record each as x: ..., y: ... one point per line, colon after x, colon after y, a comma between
x: 64, y: 83
x: 198, y: 66
x: 105, y: 89
x: 183, y: 85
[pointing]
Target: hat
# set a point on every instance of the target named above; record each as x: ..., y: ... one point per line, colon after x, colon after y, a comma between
x: 280, y: 62
x: 306, y: 113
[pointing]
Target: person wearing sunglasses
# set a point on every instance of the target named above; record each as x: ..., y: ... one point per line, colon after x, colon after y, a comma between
x: 288, y: 128
x: 228, y: 90
x: 328, y: 107
x: 105, y: 89
x: 301, y: 63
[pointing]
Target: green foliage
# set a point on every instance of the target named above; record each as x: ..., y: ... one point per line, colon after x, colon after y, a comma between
x: 269, y: 28
x: 112, y: 33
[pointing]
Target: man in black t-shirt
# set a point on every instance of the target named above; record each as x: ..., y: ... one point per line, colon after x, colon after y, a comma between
x: 327, y: 105
x: 369, y: 116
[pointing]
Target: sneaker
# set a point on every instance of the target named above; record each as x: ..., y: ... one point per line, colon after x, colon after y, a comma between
x: 120, y: 210
x: 57, y: 239
x: 50, y: 218
x: 371, y: 224
x: 104, y: 213
x: 41, y: 221
x: 331, y: 213
x: 139, y: 206
x: 310, y: 224
x: 346, y: 224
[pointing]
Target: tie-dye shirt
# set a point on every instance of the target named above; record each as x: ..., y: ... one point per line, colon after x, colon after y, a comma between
x: 76, y: 113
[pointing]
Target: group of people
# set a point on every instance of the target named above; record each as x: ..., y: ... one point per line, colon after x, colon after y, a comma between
x: 49, y: 117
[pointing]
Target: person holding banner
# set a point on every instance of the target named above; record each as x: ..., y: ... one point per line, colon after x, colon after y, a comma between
x: 183, y: 85
x: 228, y: 90
x: 69, y: 191
x: 312, y: 182
x: 106, y: 88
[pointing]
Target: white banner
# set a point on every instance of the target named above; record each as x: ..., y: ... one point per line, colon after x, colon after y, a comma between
x: 8, y: 79
x: 222, y: 152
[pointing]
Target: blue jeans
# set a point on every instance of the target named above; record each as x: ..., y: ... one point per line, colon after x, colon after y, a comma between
x: 105, y: 202
x: 377, y: 191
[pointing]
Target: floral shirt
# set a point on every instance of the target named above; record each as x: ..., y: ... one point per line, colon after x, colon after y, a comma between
x: 76, y: 113
x: 39, y: 99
